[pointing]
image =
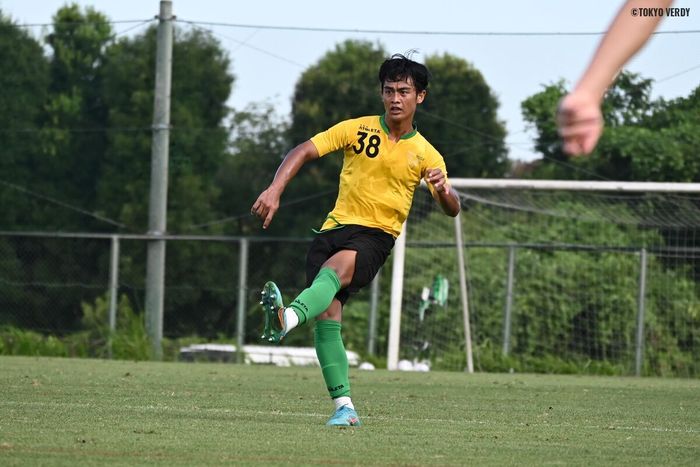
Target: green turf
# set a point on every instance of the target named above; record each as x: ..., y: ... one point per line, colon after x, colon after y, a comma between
x: 93, y: 412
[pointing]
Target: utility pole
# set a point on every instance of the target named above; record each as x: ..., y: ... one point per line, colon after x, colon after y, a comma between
x: 158, y: 201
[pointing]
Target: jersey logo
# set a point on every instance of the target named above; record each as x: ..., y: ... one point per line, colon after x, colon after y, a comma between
x: 370, y: 147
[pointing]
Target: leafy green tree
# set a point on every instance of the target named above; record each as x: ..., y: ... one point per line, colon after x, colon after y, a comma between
x: 201, y: 85
x: 642, y: 140
x: 343, y: 84
x: 54, y: 162
x: 74, y: 138
x: 94, y: 100
x: 459, y: 117
x: 24, y: 81
x: 199, y: 275
x: 258, y: 144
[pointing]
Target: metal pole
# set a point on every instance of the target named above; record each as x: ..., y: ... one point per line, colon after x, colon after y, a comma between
x: 639, y: 360
x: 158, y: 201
x: 374, y: 303
x: 113, y: 290
x: 509, y: 301
x: 459, y: 241
x: 399, y: 253
x: 242, y: 295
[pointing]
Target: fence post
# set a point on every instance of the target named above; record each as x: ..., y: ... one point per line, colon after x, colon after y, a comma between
x: 374, y: 302
x: 113, y: 290
x: 158, y: 198
x: 509, y: 300
x: 242, y: 294
x: 461, y: 262
x: 639, y: 360
x: 398, y: 257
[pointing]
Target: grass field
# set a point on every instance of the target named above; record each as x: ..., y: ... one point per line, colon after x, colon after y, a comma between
x: 94, y: 412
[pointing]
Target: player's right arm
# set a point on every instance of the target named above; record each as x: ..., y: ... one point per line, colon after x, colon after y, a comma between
x: 268, y: 202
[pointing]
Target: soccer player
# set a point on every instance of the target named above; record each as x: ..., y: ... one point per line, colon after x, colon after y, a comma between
x: 579, y: 118
x: 385, y: 159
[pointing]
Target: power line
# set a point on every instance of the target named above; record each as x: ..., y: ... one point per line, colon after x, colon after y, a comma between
x: 110, y: 130
x: 137, y: 26
x: 244, y: 44
x: 424, y: 33
x: 358, y: 30
x: 78, y: 23
x: 677, y: 74
x: 61, y: 203
x: 248, y: 214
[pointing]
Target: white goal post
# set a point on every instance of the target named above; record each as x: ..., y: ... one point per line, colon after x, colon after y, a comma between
x: 464, y: 185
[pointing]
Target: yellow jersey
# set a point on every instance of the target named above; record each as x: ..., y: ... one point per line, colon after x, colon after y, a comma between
x: 379, y: 176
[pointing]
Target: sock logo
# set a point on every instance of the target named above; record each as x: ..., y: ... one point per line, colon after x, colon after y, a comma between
x: 330, y: 389
x: 301, y: 304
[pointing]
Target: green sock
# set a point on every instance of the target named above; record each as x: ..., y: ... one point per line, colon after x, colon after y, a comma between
x: 332, y: 357
x: 314, y: 300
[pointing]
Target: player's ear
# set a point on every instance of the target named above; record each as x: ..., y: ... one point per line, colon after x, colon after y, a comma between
x: 420, y: 97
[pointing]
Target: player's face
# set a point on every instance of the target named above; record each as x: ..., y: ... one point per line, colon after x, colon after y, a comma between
x: 401, y: 99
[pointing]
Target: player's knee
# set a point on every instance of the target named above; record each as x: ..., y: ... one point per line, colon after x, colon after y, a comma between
x: 331, y: 315
x: 333, y: 312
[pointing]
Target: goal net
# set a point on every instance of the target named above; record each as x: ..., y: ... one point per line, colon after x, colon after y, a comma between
x: 558, y: 277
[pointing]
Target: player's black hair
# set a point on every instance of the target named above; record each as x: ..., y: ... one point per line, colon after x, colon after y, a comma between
x: 399, y: 67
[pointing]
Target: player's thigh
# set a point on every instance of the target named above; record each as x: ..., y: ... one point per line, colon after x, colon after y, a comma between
x: 322, y: 248
x: 373, y: 248
x: 343, y: 263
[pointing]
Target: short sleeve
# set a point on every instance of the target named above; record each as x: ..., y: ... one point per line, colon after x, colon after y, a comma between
x: 334, y: 138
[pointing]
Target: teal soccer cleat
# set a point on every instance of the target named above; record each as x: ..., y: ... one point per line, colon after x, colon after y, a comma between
x: 344, y: 416
x: 273, y: 308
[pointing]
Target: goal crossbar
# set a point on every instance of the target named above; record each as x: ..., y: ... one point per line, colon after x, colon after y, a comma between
x: 575, y: 185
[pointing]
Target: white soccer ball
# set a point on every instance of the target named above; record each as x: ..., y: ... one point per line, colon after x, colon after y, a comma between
x: 405, y: 365
x: 366, y: 366
x: 421, y: 366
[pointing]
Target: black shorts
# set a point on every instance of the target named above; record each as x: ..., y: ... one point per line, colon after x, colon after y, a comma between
x: 372, y: 246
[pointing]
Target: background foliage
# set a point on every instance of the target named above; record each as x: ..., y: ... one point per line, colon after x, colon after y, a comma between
x: 75, y: 156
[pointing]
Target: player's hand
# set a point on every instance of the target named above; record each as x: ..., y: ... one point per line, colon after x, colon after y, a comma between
x: 436, y: 178
x: 580, y: 123
x: 266, y: 206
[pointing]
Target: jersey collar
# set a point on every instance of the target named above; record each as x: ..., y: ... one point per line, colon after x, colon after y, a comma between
x: 385, y: 127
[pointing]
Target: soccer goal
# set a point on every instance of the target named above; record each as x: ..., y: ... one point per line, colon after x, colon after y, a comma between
x: 552, y: 276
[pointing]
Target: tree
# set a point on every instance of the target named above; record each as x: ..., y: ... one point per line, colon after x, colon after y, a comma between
x: 75, y: 116
x: 199, y: 275
x: 343, y: 84
x: 459, y: 117
x: 59, y: 161
x: 201, y: 86
x: 258, y: 144
x: 24, y: 81
x: 94, y: 99
x: 642, y: 140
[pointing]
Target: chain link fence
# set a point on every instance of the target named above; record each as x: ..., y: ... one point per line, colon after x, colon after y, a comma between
x: 526, y: 300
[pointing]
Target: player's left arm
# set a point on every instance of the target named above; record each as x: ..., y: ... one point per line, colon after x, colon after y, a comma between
x: 447, y: 198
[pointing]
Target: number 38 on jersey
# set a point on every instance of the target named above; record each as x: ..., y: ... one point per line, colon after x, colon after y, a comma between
x: 370, y: 145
